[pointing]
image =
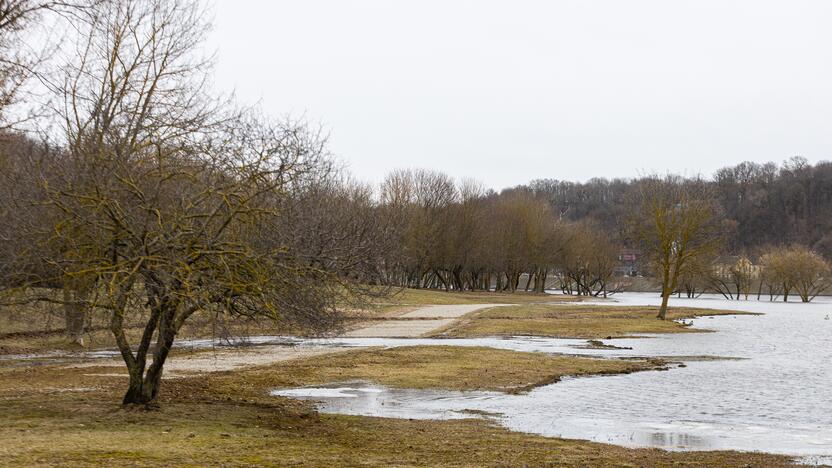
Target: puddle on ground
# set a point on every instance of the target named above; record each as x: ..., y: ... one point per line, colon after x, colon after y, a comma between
x: 53, y: 357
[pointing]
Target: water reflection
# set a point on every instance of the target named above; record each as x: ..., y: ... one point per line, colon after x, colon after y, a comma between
x: 676, y: 440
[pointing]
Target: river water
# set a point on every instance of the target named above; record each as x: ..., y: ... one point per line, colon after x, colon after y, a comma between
x: 775, y: 398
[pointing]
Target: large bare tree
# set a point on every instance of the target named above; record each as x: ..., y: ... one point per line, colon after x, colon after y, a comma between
x: 167, y: 195
x: 675, y: 222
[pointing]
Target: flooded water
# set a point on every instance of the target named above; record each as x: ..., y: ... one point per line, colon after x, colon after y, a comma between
x: 775, y: 398
x: 53, y: 357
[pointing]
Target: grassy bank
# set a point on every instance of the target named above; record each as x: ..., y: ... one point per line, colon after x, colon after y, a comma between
x: 439, y: 367
x: 71, y: 431
x: 406, y: 299
x: 60, y: 416
x: 579, y: 321
x: 44, y: 335
x: 70, y: 416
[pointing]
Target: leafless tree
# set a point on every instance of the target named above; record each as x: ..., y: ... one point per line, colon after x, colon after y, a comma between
x: 732, y: 280
x: 23, y: 52
x: 587, y: 262
x: 675, y: 222
x: 168, y: 192
x: 795, y: 268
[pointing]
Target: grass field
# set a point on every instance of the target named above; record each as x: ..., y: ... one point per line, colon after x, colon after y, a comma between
x: 58, y: 415
x: 436, y: 367
x: 62, y: 416
x: 564, y: 321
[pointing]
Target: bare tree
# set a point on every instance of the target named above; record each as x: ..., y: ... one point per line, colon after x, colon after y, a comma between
x: 675, y: 223
x: 587, y: 261
x: 16, y: 61
x: 732, y: 277
x: 167, y: 193
x: 20, y: 59
x: 795, y: 268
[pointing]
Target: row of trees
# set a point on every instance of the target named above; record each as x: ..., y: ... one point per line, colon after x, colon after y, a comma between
x: 777, y: 272
x: 462, y: 237
x: 679, y: 225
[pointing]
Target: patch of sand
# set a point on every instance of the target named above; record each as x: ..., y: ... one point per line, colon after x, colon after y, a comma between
x: 418, y: 322
x: 398, y: 328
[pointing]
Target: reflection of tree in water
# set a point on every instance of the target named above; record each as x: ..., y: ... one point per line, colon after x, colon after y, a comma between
x: 678, y: 440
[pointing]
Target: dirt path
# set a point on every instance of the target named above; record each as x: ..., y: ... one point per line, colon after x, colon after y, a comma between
x: 408, y: 325
x: 418, y: 322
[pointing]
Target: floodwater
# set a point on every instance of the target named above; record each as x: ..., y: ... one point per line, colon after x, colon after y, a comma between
x: 53, y: 357
x: 774, y: 398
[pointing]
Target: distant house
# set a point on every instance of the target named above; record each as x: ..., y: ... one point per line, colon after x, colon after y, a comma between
x: 628, y: 262
x: 728, y: 265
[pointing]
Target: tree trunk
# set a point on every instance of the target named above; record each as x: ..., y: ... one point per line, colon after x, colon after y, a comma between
x: 144, y: 386
x: 669, y: 281
x: 75, y: 315
x: 541, y: 283
x: 667, y: 290
x: 134, y: 387
x: 663, y: 309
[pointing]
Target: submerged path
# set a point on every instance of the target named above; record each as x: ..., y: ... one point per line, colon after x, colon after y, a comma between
x: 411, y: 324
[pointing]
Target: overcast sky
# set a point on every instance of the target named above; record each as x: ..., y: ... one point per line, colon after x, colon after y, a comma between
x: 509, y: 91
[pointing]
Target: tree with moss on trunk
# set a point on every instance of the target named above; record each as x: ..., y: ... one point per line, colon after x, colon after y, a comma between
x: 675, y: 222
x: 171, y: 198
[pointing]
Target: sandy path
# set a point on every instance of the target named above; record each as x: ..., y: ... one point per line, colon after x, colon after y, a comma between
x: 230, y: 359
x: 409, y: 325
x: 418, y: 322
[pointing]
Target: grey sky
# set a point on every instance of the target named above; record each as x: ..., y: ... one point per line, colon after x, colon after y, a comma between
x: 509, y: 91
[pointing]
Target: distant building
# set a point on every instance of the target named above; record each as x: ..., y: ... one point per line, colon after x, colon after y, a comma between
x: 628, y: 262
x: 727, y: 265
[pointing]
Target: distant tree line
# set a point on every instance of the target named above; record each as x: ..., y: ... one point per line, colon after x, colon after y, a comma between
x: 460, y: 236
x: 760, y: 205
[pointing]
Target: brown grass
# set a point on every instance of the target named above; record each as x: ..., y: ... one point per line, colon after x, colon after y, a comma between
x: 440, y: 367
x: 54, y: 416
x: 564, y: 321
x: 416, y: 297
x: 72, y: 432
x: 100, y: 337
